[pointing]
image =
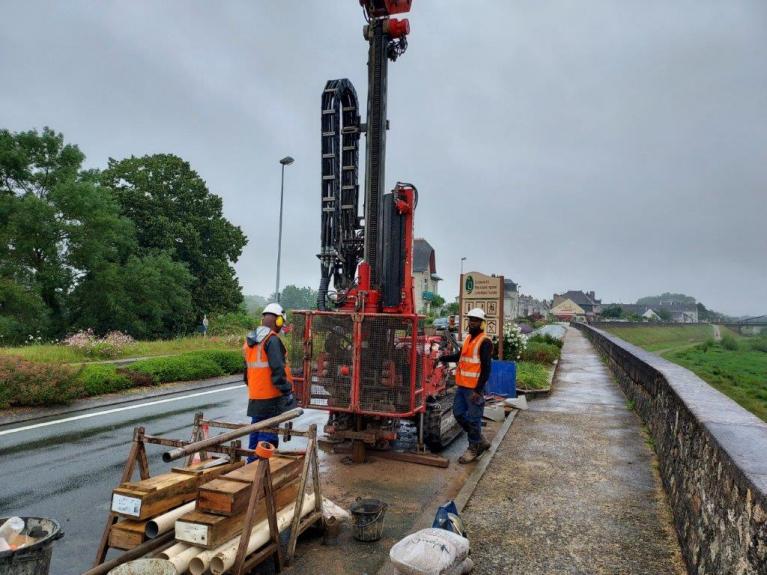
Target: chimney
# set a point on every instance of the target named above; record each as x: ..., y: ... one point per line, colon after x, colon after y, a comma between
x: 592, y: 295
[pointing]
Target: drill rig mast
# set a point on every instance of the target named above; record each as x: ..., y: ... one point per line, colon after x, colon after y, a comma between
x: 367, y: 360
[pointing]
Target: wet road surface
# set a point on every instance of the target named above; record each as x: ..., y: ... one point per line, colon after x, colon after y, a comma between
x: 66, y: 466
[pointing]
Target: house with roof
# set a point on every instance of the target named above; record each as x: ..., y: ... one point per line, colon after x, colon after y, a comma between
x: 510, y: 299
x: 568, y: 310
x: 425, y: 278
x: 586, y: 301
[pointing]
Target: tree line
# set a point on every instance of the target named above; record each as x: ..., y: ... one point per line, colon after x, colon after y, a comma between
x: 140, y: 246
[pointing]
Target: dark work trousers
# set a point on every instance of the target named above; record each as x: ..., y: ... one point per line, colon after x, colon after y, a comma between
x: 469, y: 414
x: 257, y: 436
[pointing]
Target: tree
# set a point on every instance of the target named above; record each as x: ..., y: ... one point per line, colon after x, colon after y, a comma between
x: 173, y: 211
x: 612, y: 311
x: 452, y: 308
x: 147, y: 298
x: 665, y: 297
x: 664, y: 314
x: 293, y: 297
x: 437, y: 301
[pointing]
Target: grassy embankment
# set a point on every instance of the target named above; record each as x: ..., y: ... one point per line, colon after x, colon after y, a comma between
x: 736, y: 366
x: 56, y: 353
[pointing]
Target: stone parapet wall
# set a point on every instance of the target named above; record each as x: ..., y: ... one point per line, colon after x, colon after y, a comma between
x: 712, y: 455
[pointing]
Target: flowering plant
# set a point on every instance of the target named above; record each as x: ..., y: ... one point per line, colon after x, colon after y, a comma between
x: 109, y: 346
x: 514, y: 342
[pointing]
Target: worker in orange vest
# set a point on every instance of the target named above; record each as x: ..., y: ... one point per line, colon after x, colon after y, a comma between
x: 267, y: 373
x: 474, y: 364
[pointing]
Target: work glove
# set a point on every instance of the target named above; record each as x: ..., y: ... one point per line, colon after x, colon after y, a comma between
x: 288, y: 402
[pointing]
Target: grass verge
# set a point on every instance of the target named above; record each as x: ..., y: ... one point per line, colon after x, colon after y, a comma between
x: 532, y: 376
x: 27, y: 383
x: 667, y: 338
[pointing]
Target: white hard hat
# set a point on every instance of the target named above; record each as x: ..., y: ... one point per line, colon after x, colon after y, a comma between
x: 477, y: 312
x: 274, y: 309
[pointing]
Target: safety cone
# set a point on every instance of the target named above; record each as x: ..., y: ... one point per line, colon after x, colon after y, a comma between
x: 204, y: 429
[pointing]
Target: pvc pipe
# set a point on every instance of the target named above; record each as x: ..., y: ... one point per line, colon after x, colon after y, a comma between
x: 180, y: 452
x: 173, y: 551
x: 181, y: 561
x: 200, y: 564
x: 259, y: 535
x: 166, y: 521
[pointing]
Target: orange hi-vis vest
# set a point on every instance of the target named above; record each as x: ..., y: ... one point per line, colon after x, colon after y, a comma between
x: 469, y: 366
x: 259, y: 373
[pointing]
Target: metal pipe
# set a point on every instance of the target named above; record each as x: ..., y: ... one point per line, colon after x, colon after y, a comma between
x: 180, y: 452
x: 135, y: 553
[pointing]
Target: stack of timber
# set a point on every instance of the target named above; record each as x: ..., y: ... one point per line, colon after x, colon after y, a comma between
x: 139, y: 503
x: 222, y: 503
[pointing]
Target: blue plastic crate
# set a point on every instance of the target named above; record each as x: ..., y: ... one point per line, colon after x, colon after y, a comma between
x: 503, y: 379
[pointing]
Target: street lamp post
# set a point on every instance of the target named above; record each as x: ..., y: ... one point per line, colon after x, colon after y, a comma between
x: 286, y: 161
x: 462, y: 260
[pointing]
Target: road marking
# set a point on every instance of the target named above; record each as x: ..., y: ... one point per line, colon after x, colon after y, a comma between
x: 115, y: 410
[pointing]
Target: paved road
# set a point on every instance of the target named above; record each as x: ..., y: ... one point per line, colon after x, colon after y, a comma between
x: 66, y: 467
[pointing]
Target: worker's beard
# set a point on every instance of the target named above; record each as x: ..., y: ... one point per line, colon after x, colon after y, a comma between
x: 475, y: 331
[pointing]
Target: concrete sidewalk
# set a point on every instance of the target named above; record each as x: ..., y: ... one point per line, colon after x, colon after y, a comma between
x: 573, y: 487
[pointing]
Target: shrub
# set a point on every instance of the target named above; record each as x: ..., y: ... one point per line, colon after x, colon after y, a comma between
x: 539, y: 352
x: 532, y: 376
x: 759, y: 344
x: 107, y: 347
x: 232, y: 323
x: 706, y: 345
x: 546, y: 338
x: 729, y: 343
x: 98, y: 379
x: 184, y: 367
x: 514, y: 342
x: 29, y: 383
x: 228, y: 361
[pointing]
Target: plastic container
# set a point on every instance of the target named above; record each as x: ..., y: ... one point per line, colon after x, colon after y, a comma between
x: 503, y: 379
x: 368, y: 519
x: 34, y: 559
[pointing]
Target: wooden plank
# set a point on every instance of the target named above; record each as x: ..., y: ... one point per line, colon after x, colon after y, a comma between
x: 279, y: 465
x: 228, y: 496
x: 127, y: 534
x: 208, y: 530
x: 143, y: 499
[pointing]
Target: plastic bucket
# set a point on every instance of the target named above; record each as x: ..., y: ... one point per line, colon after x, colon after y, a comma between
x: 368, y: 519
x: 33, y: 559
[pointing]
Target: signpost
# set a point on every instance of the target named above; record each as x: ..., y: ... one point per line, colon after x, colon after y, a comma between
x: 486, y: 293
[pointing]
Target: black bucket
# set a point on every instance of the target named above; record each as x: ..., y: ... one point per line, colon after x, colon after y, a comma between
x: 368, y: 519
x: 33, y: 559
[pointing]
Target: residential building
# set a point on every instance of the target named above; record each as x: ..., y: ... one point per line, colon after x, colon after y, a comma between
x: 678, y: 312
x: 568, y: 310
x: 425, y: 278
x: 587, y: 301
x: 529, y: 306
x: 510, y: 299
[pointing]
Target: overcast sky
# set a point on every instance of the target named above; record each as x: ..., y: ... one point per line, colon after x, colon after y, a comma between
x: 614, y: 146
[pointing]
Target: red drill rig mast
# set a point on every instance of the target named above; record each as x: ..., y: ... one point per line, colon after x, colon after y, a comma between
x: 363, y: 355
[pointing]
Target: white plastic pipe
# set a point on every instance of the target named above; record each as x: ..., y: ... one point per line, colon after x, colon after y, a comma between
x: 166, y: 521
x: 173, y: 550
x: 259, y: 535
x: 200, y: 564
x: 181, y: 561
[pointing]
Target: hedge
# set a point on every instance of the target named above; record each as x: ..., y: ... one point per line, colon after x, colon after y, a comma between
x: 540, y: 352
x: 25, y: 382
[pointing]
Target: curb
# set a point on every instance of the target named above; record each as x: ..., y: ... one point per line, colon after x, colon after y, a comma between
x: 473, y: 480
x: 180, y: 387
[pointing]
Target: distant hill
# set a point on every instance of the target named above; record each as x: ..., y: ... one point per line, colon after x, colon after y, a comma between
x: 666, y: 298
x: 254, y: 302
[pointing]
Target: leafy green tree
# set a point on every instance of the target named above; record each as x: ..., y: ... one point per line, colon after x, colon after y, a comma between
x: 293, y: 297
x: 665, y: 297
x: 437, y: 301
x: 664, y: 314
x: 146, y: 297
x: 23, y: 314
x: 173, y: 211
x: 612, y: 312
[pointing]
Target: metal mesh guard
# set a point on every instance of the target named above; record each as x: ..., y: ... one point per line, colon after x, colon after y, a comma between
x: 385, y: 364
x: 331, y: 362
x: 296, y: 354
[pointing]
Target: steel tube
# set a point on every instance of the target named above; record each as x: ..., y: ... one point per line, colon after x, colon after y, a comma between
x: 180, y: 452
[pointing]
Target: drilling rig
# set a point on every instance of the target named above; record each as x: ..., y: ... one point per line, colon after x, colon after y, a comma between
x: 363, y: 354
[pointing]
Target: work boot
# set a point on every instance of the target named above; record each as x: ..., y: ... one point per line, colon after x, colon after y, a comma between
x: 482, y: 446
x: 470, y: 454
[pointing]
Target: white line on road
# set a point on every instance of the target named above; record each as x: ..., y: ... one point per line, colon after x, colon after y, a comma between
x: 115, y: 410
